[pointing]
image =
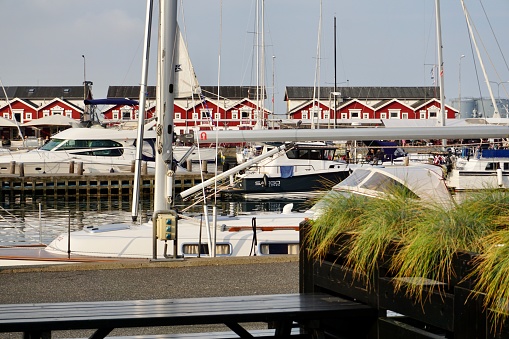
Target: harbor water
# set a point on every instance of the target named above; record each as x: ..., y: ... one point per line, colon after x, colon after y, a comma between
x: 39, y: 221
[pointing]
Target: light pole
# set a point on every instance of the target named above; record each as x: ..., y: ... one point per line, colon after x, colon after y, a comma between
x: 84, y: 77
x: 459, y: 85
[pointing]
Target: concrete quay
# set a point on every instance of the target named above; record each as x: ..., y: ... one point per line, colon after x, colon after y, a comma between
x: 144, y: 279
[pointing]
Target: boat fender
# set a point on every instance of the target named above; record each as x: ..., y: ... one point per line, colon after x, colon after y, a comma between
x: 265, y: 182
x: 500, y: 177
x: 287, y: 209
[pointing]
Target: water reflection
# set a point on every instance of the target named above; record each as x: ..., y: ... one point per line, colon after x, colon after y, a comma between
x: 40, y: 220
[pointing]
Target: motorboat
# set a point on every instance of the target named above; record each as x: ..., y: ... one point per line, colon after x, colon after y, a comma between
x: 99, y: 150
x: 298, y: 167
x: 483, y: 169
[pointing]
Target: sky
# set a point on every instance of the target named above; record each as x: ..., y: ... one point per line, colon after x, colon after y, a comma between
x: 378, y: 43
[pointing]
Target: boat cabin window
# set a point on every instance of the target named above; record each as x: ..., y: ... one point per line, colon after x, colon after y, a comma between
x: 104, y: 148
x: 52, y: 143
x: 279, y: 248
x: 382, y: 183
x: 506, y: 166
x: 192, y: 249
x: 311, y: 154
x: 491, y: 166
x: 355, y: 178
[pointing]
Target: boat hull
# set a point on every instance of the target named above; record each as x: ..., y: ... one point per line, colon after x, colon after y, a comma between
x: 298, y: 183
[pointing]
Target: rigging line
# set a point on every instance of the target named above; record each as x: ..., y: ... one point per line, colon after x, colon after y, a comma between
x: 485, y: 49
x: 475, y: 63
x: 493, y: 32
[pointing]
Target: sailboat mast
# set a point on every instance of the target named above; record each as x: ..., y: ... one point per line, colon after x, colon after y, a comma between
x: 141, y: 110
x: 496, y: 113
x: 441, y: 117
x: 164, y: 105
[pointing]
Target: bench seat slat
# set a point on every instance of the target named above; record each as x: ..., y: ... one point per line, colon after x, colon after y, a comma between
x: 167, y: 312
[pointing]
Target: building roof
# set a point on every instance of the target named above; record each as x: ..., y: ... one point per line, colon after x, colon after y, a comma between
x: 45, y: 92
x: 378, y: 93
x: 131, y: 92
x: 226, y: 92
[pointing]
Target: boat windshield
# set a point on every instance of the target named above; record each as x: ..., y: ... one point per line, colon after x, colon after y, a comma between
x: 51, y: 144
x: 86, y: 147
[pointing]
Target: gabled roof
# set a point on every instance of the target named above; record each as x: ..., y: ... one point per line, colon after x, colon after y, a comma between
x: 24, y: 101
x: 384, y: 103
x: 65, y: 102
x: 131, y: 92
x: 232, y: 92
x: 378, y: 93
x: 226, y: 92
x: 45, y: 92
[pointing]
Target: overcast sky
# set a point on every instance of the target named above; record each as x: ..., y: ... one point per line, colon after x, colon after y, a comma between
x: 379, y: 43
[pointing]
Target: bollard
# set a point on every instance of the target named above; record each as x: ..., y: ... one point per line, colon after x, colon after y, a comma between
x: 12, y: 168
x: 80, y: 168
x: 21, y: 170
x: 144, y: 168
x: 71, y: 166
x: 189, y: 165
x: 204, y: 166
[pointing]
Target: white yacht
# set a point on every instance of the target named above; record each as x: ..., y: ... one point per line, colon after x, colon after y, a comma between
x: 485, y: 169
x: 100, y: 150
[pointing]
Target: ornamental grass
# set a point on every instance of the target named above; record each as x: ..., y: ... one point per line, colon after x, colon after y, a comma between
x: 427, y: 237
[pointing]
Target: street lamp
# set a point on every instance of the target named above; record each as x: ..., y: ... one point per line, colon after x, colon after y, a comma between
x: 459, y: 84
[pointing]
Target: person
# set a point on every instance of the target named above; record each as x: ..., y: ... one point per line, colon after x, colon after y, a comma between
x: 379, y: 156
x: 46, y: 140
x: 370, y: 155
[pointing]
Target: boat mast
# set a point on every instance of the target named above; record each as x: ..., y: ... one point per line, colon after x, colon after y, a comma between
x: 496, y: 113
x: 164, y: 105
x: 316, y: 87
x: 441, y: 116
x: 141, y: 110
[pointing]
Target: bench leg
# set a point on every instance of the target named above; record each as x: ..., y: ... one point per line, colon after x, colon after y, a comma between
x: 37, y: 335
x: 101, y: 333
x: 283, y: 328
x: 239, y: 330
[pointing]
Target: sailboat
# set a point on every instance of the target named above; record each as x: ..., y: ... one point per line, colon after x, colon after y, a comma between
x: 228, y: 236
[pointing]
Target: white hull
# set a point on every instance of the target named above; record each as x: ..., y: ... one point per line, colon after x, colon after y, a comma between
x: 276, y: 232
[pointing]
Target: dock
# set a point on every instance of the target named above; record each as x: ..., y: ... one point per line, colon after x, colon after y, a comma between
x: 86, y: 185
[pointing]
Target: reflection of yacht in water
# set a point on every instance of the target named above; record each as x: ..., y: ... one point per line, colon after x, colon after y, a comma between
x: 100, y: 150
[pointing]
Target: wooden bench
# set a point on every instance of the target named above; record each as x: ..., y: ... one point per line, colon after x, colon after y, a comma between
x: 280, y: 310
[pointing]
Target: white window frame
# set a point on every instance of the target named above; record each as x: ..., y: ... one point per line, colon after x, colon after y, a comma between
x: 383, y: 115
x: 114, y: 114
x: 404, y: 115
x: 365, y: 115
x: 45, y: 113
x: 68, y: 113
x: 326, y: 115
x: 195, y: 115
x: 126, y: 114
x: 394, y: 114
x: 217, y: 116
x: 6, y: 115
x: 178, y: 115
x: 29, y: 116
x: 344, y: 116
x: 432, y: 114
x: 355, y: 114
x: 305, y: 114
x: 422, y: 114
x: 235, y: 115
x: 206, y: 113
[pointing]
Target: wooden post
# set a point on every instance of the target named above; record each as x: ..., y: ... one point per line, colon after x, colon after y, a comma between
x: 80, y: 168
x: 144, y: 168
x: 204, y: 166
x: 133, y: 165
x: 71, y: 166
x: 189, y: 165
x: 12, y: 168
x: 21, y: 170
